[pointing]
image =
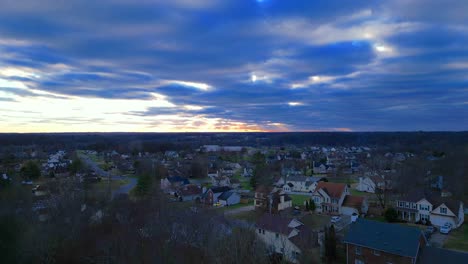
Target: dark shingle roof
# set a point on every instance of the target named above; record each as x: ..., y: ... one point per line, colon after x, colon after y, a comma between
x: 225, y: 195
x: 431, y: 255
x: 174, y: 179
x: 220, y: 189
x: 392, y: 238
x: 333, y: 189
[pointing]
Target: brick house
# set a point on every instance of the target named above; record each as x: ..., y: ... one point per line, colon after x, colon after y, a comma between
x: 376, y: 242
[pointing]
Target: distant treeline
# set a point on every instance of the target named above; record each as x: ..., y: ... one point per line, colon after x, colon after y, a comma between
x: 154, y: 142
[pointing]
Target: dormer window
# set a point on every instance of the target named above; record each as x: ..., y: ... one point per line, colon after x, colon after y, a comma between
x: 443, y: 210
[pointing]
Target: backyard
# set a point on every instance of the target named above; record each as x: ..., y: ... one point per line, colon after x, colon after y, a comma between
x: 298, y: 199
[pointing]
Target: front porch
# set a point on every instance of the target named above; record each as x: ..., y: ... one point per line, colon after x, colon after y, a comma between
x: 409, y: 215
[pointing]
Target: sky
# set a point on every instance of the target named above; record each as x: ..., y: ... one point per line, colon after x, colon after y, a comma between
x: 233, y: 65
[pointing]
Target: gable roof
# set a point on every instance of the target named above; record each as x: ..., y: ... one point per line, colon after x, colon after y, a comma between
x: 297, y: 178
x: 432, y: 255
x: 332, y: 189
x: 175, y: 179
x: 392, y: 238
x: 189, y: 190
x: 220, y: 189
x: 225, y: 195
x: 304, y: 237
x: 433, y: 197
x: 353, y: 201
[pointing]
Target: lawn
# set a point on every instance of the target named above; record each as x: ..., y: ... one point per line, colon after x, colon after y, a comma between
x: 458, y: 239
x: 298, y: 200
x: 104, y: 184
x: 232, y: 207
x: 249, y: 216
x: 358, y: 193
x: 314, y: 221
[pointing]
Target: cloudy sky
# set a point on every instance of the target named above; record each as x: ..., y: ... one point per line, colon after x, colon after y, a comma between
x: 233, y: 65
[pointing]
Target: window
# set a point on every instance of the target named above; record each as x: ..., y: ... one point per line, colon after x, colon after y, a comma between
x: 277, y: 235
x: 259, y: 231
x: 443, y: 210
x: 263, y: 231
x: 376, y: 252
x: 358, y: 251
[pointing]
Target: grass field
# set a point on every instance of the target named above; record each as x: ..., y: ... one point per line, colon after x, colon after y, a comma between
x: 315, y: 222
x: 298, y: 200
x: 231, y: 207
x: 458, y: 239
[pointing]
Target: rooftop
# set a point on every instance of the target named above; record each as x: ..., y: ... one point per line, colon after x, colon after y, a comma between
x: 392, y: 238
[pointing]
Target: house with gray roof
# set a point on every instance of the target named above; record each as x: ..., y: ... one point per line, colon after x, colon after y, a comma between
x: 287, y: 237
x: 300, y: 184
x: 377, y: 242
x: 430, y: 206
x: 229, y: 198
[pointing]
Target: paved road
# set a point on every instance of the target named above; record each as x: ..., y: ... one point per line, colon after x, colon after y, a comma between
x: 90, y: 163
x: 125, y: 189
x: 239, y: 210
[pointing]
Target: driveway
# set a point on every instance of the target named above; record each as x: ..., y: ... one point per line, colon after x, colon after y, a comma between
x: 344, y: 222
x: 438, y: 239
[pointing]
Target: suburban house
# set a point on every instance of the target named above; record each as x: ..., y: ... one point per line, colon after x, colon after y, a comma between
x: 319, y: 168
x: 420, y: 206
x: 171, y: 184
x: 229, y: 198
x: 300, y: 184
x: 271, y: 199
x: 286, y: 237
x: 188, y: 192
x: 377, y: 242
x: 355, y: 204
x: 211, y: 196
x: 329, y: 197
x: 212, y: 173
x: 221, y: 181
x: 371, y: 184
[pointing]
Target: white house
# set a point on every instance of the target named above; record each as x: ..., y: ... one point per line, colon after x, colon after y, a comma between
x: 419, y: 206
x: 329, y: 197
x: 288, y: 237
x: 229, y: 198
x: 300, y: 184
x: 370, y: 184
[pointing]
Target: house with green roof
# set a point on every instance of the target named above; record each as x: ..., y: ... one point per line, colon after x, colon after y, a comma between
x: 376, y: 242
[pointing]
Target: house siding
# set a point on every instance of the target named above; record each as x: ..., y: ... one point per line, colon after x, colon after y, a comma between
x: 278, y: 244
x: 367, y: 256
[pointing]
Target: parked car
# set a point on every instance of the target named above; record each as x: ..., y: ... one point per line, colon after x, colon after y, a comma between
x: 445, y: 229
x: 431, y: 229
x: 354, y: 217
x: 335, y: 219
